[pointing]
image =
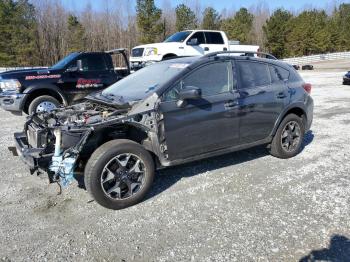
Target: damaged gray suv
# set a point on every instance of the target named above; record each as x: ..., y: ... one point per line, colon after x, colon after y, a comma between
x: 168, y: 114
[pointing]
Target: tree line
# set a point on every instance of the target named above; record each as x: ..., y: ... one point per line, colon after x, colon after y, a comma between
x: 40, y: 32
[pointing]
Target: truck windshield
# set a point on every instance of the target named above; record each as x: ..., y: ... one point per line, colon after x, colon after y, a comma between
x: 178, y: 37
x: 144, y: 82
x: 65, y: 61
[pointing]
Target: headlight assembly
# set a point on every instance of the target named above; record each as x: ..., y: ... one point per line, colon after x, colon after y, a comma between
x: 151, y: 51
x: 10, y: 84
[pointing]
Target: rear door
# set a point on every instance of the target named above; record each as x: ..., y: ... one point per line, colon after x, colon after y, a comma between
x: 214, y: 42
x: 259, y: 104
x: 206, y: 124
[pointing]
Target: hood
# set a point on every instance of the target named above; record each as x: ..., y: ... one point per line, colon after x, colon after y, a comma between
x: 24, y: 72
x: 160, y: 46
x: 110, y: 100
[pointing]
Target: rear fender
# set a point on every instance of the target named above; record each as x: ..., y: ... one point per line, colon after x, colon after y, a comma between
x: 295, y: 106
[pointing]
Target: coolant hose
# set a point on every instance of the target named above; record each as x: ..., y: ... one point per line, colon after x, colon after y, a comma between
x: 58, y: 134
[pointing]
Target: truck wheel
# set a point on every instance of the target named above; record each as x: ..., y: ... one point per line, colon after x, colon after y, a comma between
x: 119, y: 174
x: 169, y: 57
x: 288, y: 139
x: 43, y: 104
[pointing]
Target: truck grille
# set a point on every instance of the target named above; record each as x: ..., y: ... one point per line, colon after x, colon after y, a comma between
x: 137, y: 52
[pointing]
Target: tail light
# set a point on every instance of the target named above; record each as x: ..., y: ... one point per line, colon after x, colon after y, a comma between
x: 307, y: 87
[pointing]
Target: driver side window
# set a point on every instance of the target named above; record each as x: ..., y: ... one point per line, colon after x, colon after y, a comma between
x: 212, y: 79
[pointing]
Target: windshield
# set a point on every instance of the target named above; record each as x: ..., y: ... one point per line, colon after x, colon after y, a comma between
x: 178, y: 37
x: 144, y: 82
x: 65, y: 61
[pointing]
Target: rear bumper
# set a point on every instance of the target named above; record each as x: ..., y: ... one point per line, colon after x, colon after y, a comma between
x: 11, y: 101
x: 309, y: 113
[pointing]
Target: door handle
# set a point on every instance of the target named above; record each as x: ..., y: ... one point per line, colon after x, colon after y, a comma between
x: 281, y: 95
x: 206, y: 48
x: 231, y: 104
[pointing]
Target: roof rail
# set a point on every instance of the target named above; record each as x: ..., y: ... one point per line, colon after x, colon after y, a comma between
x: 116, y: 51
x: 244, y: 53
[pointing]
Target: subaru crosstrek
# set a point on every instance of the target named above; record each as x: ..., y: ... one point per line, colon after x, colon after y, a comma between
x: 167, y: 114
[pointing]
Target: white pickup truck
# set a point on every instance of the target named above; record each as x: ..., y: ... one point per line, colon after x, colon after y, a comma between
x: 186, y: 43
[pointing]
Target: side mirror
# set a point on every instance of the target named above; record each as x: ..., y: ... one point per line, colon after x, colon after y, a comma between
x: 77, y: 68
x: 189, y: 92
x: 193, y: 42
x: 80, y: 65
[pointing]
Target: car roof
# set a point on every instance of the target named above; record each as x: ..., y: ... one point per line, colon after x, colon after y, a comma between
x: 202, y: 30
x: 194, y: 59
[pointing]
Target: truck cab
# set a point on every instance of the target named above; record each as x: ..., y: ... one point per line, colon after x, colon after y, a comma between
x: 183, y: 44
x: 65, y: 83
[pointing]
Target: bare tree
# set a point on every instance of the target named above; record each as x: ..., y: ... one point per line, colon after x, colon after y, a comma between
x: 261, y: 13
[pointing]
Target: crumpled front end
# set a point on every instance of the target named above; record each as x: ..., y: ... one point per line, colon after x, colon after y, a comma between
x: 53, y: 142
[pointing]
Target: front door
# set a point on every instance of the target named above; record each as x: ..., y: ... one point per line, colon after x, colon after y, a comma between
x: 206, y: 124
x: 196, y: 50
x: 94, y: 76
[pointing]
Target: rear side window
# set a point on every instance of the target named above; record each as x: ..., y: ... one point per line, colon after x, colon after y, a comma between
x: 94, y: 62
x: 253, y: 74
x: 214, y: 38
x: 199, y: 36
x: 278, y: 74
x: 294, y: 77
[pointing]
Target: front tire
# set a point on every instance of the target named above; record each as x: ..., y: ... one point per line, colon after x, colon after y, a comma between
x: 288, y: 139
x: 43, y: 104
x: 119, y: 174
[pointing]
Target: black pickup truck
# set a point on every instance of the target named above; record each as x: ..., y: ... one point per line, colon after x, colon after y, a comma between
x: 65, y: 83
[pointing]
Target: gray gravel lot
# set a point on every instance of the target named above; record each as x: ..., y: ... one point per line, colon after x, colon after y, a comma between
x: 245, y: 206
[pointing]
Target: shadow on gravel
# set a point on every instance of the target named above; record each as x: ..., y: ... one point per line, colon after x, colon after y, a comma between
x: 338, y: 251
x: 308, y: 138
x: 165, y: 178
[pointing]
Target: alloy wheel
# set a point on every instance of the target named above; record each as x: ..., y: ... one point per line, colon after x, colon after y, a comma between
x: 291, y: 136
x: 123, y: 176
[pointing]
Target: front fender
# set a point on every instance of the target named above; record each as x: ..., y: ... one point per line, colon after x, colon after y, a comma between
x: 52, y: 88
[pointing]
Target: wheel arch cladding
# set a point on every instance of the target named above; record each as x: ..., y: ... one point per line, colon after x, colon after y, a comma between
x: 297, y: 110
x: 41, y: 91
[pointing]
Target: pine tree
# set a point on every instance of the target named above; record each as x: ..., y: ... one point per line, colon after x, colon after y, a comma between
x: 211, y: 19
x: 185, y: 18
x: 341, y: 30
x: 148, y: 21
x: 18, y: 33
x: 308, y: 34
x: 276, y: 31
x: 240, y: 26
x: 76, y: 35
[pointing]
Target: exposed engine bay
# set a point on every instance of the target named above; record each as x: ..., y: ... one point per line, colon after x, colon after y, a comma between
x: 59, y: 141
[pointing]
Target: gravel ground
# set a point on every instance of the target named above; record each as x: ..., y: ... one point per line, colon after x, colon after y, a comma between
x: 245, y: 206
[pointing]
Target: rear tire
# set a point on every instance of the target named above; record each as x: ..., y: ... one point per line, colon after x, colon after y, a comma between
x: 108, y: 175
x: 287, y: 141
x: 43, y: 103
